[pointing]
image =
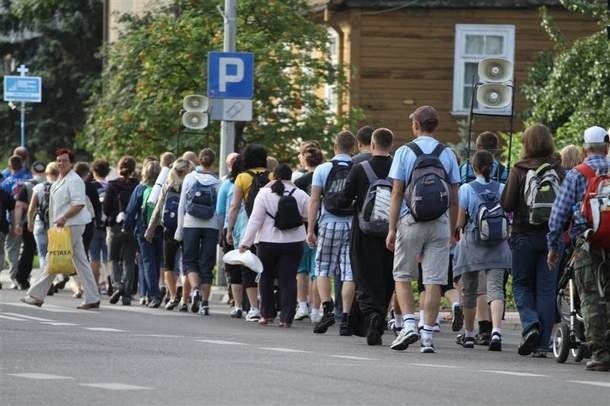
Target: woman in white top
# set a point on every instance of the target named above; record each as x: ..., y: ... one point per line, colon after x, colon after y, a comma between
x: 276, y: 225
x: 67, y: 208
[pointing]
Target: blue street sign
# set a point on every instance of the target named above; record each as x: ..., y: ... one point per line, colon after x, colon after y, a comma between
x: 26, y: 89
x: 230, y: 75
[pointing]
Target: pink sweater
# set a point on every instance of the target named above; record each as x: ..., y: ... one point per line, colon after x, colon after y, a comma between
x: 260, y: 225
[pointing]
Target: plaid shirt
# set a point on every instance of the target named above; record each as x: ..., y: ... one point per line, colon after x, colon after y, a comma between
x: 567, y: 203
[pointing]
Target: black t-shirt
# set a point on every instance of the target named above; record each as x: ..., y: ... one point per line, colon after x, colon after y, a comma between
x: 7, y: 203
x: 357, y: 184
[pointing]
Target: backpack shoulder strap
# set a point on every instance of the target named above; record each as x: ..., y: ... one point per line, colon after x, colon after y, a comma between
x: 477, y: 187
x: 543, y: 168
x: 292, y: 191
x: 415, y: 148
x: 499, y: 171
x: 368, y: 170
x: 438, y: 150
x: 585, y: 170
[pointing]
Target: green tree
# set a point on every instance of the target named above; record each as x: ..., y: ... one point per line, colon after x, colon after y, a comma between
x: 162, y: 56
x: 58, y: 40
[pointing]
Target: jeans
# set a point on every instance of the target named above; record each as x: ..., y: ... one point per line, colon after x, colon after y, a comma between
x: 151, y: 255
x: 26, y: 257
x: 122, y: 252
x: 534, y: 285
x: 199, y: 252
x: 40, y: 236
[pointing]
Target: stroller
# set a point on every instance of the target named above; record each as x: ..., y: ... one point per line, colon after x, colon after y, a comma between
x: 569, y: 336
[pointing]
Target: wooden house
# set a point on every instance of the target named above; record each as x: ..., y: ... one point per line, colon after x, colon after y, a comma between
x: 406, y: 53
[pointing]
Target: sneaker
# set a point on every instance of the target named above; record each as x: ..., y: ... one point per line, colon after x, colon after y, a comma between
x: 459, y: 340
x: 595, y: 365
x: 496, y: 342
x: 467, y: 342
x: 406, y: 337
x: 327, y: 320
x: 539, y: 354
x: 458, y: 318
x: 143, y: 301
x: 205, y: 309
x: 253, y: 314
x: 373, y: 336
x: 171, y: 304
x: 482, y: 339
x: 183, y: 307
x: 236, y: 313
x: 529, y: 341
x: 315, y: 317
x: 427, y: 347
x: 126, y: 300
x: 155, y: 303
x: 344, y: 329
x: 302, y: 313
x: 195, y: 301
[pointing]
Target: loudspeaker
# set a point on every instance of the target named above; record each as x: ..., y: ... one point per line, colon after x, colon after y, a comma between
x: 494, y: 96
x: 195, y: 120
x: 495, y: 70
x: 196, y: 102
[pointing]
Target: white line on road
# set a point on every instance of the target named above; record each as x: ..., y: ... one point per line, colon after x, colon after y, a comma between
x: 432, y: 365
x: 11, y: 318
x: 41, y: 376
x: 220, y: 342
x: 105, y: 329
x: 594, y: 383
x: 513, y: 373
x: 114, y: 386
x: 23, y: 316
x: 280, y: 349
x: 352, y: 357
x: 46, y: 308
x: 158, y: 335
x: 58, y: 323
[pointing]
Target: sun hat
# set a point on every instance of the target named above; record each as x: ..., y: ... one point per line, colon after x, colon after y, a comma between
x: 595, y: 135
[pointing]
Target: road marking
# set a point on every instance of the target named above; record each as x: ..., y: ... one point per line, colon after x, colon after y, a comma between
x: 11, y: 318
x: 432, y: 365
x: 46, y: 308
x: 352, y: 357
x: 513, y: 373
x: 221, y: 342
x: 158, y: 335
x: 114, y: 386
x: 594, y: 383
x: 280, y: 349
x: 105, y: 329
x: 36, y: 375
x: 23, y: 316
x: 58, y: 323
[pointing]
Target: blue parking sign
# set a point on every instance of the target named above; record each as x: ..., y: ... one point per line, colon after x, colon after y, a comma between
x: 230, y: 75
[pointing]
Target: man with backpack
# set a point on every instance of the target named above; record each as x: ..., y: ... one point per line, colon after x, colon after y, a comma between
x: 486, y: 141
x: 426, y: 177
x: 368, y: 184
x: 333, y: 246
x: 584, y: 203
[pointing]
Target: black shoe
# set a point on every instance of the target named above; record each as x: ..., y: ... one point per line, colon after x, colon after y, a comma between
x: 114, y: 298
x: 59, y: 286
x: 195, y: 301
x: 183, y: 307
x: 51, y: 291
x: 109, y: 288
x: 155, y: 303
x: 373, y: 336
x: 496, y: 342
x: 344, y: 329
x: 529, y: 341
x: 171, y: 304
x: 327, y: 320
x: 236, y: 314
x: 483, y: 338
x: 468, y: 342
x: 458, y: 318
x: 163, y: 291
x: 205, y: 309
x: 179, y: 293
x: 126, y: 300
x: 459, y: 340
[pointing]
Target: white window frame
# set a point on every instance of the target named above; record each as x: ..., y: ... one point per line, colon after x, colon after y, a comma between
x: 331, y: 97
x: 460, y: 59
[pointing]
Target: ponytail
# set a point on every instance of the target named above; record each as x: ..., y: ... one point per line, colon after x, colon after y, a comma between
x: 482, y: 162
x: 281, y: 172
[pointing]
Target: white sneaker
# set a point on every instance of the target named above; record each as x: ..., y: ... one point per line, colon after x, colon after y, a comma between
x: 253, y: 314
x: 315, y: 317
x: 406, y: 337
x: 302, y: 313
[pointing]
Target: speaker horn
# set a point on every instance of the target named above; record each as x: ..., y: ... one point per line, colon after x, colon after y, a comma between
x: 195, y: 120
x: 196, y: 102
x: 494, y: 96
x: 495, y: 70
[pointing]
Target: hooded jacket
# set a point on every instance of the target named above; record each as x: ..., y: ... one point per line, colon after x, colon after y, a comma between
x: 118, y: 190
x: 185, y: 220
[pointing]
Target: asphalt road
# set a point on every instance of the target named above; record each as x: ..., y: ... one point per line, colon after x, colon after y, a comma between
x: 58, y: 355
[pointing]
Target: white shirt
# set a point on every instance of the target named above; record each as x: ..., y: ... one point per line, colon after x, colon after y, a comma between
x: 67, y: 192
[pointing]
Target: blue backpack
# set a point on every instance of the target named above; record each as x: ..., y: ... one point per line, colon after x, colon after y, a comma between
x: 201, y: 201
x: 169, y: 220
x: 491, y: 225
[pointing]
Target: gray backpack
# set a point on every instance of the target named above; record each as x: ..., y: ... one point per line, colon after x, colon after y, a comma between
x: 374, y: 218
x: 540, y: 191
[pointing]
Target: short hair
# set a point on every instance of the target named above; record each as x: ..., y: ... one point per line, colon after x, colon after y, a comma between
x: 167, y: 158
x: 313, y: 157
x: 383, y: 138
x: 488, y: 141
x: 190, y: 155
x: 22, y: 152
x: 537, y: 142
x: 150, y: 172
x: 65, y: 151
x: 571, y: 155
x: 100, y: 167
x: 15, y: 162
x: 345, y: 141
x: 52, y: 169
x: 207, y: 157
x: 126, y: 166
x: 81, y: 168
x: 364, y: 134
x: 308, y: 144
x: 255, y: 156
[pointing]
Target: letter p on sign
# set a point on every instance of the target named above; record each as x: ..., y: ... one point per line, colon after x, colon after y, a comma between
x: 225, y: 76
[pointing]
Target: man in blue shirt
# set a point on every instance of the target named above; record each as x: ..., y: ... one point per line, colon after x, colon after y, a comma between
x: 24, y: 154
x: 333, y: 240
x: 591, y: 268
x: 487, y: 141
x: 425, y: 242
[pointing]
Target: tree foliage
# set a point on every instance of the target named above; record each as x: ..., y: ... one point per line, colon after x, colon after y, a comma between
x: 58, y: 40
x: 162, y: 56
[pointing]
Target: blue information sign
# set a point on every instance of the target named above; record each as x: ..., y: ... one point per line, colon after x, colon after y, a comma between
x: 230, y: 75
x: 27, y: 89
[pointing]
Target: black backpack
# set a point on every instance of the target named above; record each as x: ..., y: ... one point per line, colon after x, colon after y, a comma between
x: 169, y: 219
x: 259, y: 180
x: 287, y: 215
x: 43, y: 205
x: 333, y: 189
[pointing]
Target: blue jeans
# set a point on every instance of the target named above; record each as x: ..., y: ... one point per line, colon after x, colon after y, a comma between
x: 40, y: 236
x: 151, y: 255
x: 534, y: 285
x: 199, y: 252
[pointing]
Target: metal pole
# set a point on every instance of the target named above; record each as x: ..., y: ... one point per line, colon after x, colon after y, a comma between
x: 227, y: 128
x: 22, y: 124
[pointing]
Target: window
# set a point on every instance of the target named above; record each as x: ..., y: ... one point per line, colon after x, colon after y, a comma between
x: 474, y: 43
x: 330, y: 91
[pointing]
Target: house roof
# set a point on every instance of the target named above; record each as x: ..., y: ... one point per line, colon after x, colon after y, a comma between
x: 381, y: 4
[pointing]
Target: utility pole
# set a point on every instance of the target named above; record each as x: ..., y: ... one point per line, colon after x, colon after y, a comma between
x: 23, y: 70
x: 227, y: 128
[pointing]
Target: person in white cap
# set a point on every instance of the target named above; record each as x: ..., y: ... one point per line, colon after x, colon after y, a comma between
x: 592, y: 245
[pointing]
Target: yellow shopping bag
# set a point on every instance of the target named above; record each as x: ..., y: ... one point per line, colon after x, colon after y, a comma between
x: 59, y: 251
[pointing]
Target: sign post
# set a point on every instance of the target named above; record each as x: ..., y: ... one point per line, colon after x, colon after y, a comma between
x: 23, y: 89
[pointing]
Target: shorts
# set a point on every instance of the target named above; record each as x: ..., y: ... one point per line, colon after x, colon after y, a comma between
x: 308, y: 261
x: 444, y: 288
x: 240, y: 275
x: 199, y: 252
x: 98, y: 248
x: 171, y: 247
x: 474, y: 284
x: 428, y: 241
x: 333, y: 251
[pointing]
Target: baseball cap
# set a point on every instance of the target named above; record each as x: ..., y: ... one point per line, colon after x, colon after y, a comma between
x: 596, y: 135
x: 39, y: 167
x: 424, y: 113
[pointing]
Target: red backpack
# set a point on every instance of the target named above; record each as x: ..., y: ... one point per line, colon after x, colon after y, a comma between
x: 595, y: 206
